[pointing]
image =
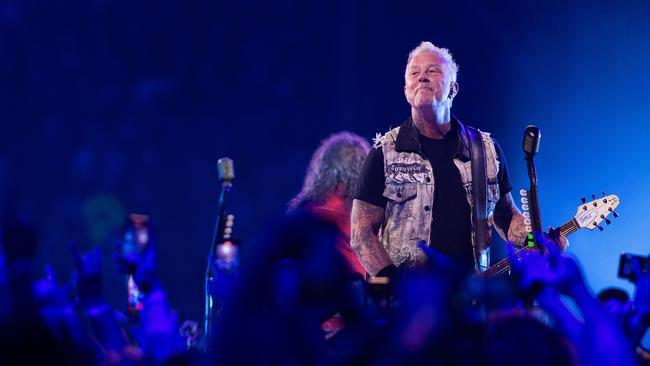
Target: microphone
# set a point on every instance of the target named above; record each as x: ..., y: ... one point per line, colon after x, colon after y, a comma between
x: 226, y: 170
x: 532, y: 136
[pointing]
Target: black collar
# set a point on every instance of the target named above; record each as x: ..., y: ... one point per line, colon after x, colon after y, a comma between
x: 408, y: 138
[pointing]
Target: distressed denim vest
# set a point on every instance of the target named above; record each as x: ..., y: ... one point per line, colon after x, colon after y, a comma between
x: 410, y: 190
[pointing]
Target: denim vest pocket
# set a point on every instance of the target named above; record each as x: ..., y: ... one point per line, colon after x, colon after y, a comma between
x: 400, y: 193
x: 401, y: 223
x: 401, y: 199
x: 401, y: 211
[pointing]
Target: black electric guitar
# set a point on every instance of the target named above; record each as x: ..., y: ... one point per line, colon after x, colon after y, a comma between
x: 589, y: 215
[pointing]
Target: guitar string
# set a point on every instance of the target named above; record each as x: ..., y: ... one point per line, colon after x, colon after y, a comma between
x: 503, y: 265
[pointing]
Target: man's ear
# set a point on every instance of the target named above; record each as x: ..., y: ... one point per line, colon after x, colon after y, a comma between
x: 406, y: 95
x: 453, y: 90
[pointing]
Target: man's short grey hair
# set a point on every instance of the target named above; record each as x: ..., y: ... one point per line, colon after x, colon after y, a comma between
x: 450, y: 64
x: 334, y: 168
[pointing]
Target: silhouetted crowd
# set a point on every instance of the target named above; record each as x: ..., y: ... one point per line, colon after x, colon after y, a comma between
x: 296, y: 303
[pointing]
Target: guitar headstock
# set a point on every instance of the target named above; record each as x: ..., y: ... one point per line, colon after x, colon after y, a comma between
x: 590, y: 214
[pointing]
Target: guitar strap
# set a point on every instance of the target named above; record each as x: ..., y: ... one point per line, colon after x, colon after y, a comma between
x: 479, y: 192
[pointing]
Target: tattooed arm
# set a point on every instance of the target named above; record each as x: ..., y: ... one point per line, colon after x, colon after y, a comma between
x: 366, y: 221
x: 509, y: 221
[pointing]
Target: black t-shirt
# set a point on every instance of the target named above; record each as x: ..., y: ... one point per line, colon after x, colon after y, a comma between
x: 451, y: 223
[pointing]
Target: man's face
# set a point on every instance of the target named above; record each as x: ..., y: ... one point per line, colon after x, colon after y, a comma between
x: 427, y: 81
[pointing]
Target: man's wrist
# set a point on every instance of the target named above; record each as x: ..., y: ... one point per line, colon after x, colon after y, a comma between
x: 389, y: 271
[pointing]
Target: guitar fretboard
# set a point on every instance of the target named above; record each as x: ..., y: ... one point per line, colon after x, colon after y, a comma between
x: 503, y: 266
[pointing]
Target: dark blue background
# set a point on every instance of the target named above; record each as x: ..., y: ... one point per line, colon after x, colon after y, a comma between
x: 115, y: 106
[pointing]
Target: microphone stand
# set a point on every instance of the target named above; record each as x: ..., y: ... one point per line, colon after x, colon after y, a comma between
x: 210, y: 273
x: 532, y: 138
x: 535, y: 216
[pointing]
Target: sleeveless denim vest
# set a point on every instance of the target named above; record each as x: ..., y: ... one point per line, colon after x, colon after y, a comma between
x: 410, y: 190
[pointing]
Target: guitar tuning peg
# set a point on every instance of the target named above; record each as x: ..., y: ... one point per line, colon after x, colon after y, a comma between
x: 608, y: 221
x: 597, y: 226
x: 593, y: 196
x: 583, y: 200
x: 615, y: 214
x: 603, y: 193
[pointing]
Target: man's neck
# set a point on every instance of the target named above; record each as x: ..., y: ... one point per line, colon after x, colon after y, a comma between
x: 430, y: 123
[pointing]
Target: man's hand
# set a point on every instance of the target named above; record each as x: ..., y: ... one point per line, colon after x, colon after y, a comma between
x: 140, y: 264
x: 558, y: 239
x: 551, y: 269
x: 49, y: 292
x: 88, y: 275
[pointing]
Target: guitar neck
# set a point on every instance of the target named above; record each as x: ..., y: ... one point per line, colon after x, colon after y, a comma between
x: 569, y: 227
x: 503, y: 265
x: 589, y: 215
